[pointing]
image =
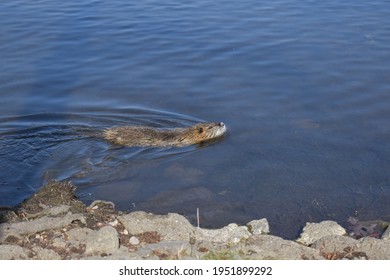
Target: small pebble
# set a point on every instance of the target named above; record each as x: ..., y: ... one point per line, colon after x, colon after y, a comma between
x: 113, y: 223
x: 95, y: 207
x: 125, y: 232
x: 134, y: 240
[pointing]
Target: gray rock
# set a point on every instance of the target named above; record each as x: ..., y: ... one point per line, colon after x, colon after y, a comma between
x: 167, y: 249
x: 169, y: 227
x: 348, y: 247
x: 134, y: 240
x: 77, y: 236
x: 176, y: 227
x: 45, y: 254
x: 57, y: 210
x: 314, y: 231
x: 386, y: 234
x: 59, y: 242
x: 375, y: 249
x: 232, y: 233
x: 334, y: 242
x: 37, y: 225
x: 105, y: 240
x: 202, y: 248
x: 273, y: 247
x: 96, y: 204
x: 14, y: 252
x: 121, y: 254
x: 257, y: 227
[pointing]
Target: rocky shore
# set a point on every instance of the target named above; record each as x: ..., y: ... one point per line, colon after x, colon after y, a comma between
x: 54, y: 224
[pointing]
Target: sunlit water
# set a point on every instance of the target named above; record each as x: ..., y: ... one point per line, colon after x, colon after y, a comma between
x: 303, y: 87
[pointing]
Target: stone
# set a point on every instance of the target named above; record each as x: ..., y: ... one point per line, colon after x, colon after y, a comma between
x: 45, y: 254
x: 350, y: 248
x: 167, y: 249
x: 169, y: 227
x: 14, y: 252
x: 96, y: 204
x: 374, y: 248
x: 334, y: 242
x: 176, y: 227
x: 58, y: 210
x: 276, y: 248
x: 121, y: 254
x: 134, y: 240
x: 257, y: 227
x: 59, y: 242
x: 77, y: 236
x: 231, y: 233
x: 386, y: 234
x: 37, y: 225
x: 105, y: 240
x: 314, y: 231
x: 113, y: 223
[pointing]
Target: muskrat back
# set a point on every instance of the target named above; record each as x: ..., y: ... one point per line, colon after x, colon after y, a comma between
x: 149, y: 136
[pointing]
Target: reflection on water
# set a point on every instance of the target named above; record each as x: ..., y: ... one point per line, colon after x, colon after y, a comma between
x: 303, y: 88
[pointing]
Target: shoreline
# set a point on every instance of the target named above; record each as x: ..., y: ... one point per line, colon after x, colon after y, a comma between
x: 54, y: 224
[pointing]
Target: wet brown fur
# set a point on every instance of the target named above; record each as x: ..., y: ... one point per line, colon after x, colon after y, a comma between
x: 148, y: 136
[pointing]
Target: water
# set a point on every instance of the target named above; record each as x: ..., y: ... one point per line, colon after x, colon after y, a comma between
x: 303, y: 86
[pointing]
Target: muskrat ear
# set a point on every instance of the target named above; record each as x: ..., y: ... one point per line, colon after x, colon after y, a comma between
x: 200, y: 130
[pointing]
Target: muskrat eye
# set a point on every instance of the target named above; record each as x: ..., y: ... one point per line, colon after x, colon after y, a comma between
x: 210, y: 127
x: 200, y: 130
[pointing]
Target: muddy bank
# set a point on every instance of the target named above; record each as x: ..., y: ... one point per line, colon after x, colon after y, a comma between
x: 54, y: 224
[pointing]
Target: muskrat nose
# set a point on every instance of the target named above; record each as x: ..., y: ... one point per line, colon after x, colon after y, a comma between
x: 221, y: 124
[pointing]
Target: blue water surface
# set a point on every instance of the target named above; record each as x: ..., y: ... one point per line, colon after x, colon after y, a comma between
x: 303, y: 86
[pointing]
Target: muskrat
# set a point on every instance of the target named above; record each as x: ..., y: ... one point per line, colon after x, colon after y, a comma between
x: 149, y: 136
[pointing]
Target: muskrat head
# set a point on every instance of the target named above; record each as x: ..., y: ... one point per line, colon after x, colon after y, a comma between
x: 207, y: 131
